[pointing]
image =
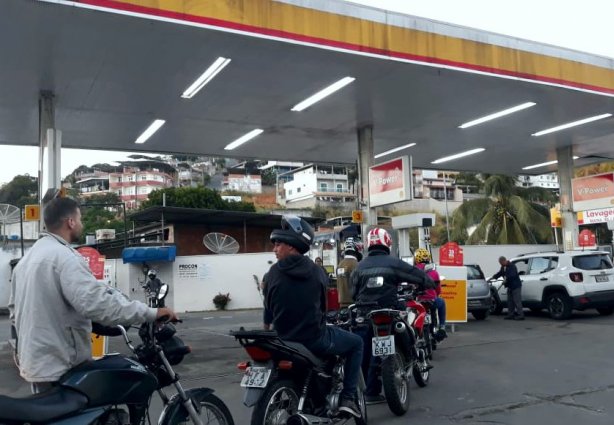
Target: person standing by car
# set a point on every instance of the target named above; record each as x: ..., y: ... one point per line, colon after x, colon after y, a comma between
x: 55, y: 298
x: 377, y: 279
x: 296, y: 299
x: 351, y: 257
x: 511, y: 280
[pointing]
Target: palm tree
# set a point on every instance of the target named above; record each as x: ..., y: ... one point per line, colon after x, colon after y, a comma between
x: 506, y: 215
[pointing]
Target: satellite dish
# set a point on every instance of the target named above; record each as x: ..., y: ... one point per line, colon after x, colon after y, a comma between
x: 9, y: 214
x: 220, y: 243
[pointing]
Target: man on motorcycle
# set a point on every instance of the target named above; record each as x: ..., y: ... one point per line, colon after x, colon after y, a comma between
x: 153, y: 284
x: 54, y: 299
x: 423, y: 262
x: 296, y: 297
x: 377, y: 279
x: 351, y: 257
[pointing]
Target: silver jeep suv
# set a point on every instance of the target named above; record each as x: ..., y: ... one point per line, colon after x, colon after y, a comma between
x: 563, y: 281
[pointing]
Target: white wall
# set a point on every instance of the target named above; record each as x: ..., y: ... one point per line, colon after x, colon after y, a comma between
x: 195, y: 280
x: 7, y: 253
x: 487, y: 256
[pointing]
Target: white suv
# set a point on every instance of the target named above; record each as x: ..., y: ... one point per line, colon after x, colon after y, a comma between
x: 563, y: 281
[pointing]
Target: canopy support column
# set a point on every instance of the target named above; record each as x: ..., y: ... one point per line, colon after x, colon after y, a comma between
x: 568, y: 216
x: 365, y: 160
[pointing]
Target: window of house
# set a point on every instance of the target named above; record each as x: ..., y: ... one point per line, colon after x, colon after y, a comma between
x: 143, y: 177
x: 298, y: 190
x: 339, y: 187
x: 323, y: 187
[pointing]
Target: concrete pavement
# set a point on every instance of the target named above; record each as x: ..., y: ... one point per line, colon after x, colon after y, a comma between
x: 494, y: 371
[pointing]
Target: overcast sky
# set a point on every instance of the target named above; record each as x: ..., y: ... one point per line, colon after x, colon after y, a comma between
x: 582, y: 25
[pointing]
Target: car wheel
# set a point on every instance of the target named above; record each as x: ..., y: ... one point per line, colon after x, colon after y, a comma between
x: 480, y: 314
x: 606, y: 311
x: 496, y: 306
x: 559, y: 305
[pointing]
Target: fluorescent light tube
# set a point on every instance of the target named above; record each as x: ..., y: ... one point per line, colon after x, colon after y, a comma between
x: 400, y: 148
x: 153, y: 127
x: 243, y: 139
x: 571, y: 124
x: 544, y: 164
x: 458, y: 155
x: 322, y: 94
x: 498, y: 114
x: 206, y: 76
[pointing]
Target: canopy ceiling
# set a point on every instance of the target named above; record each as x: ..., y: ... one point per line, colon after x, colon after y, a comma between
x: 113, y: 74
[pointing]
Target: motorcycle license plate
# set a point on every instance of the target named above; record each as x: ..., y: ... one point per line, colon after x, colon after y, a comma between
x: 601, y: 278
x: 256, y: 377
x: 382, y: 345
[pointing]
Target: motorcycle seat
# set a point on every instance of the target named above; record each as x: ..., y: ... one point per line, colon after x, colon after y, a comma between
x: 305, y: 352
x: 43, y: 407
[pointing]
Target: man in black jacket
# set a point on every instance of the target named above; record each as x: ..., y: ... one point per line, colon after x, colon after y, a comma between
x: 377, y: 279
x: 296, y: 298
x: 514, y: 289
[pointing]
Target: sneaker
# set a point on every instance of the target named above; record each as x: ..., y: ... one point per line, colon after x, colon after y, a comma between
x: 349, y: 406
x: 441, y: 334
x: 374, y: 399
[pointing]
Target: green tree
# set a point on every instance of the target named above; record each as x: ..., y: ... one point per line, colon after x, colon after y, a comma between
x: 20, y: 191
x: 269, y: 177
x: 195, y: 197
x: 102, y: 212
x: 503, y: 216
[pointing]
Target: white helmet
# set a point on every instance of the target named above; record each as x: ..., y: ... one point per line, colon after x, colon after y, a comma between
x: 151, y: 273
x: 379, y: 237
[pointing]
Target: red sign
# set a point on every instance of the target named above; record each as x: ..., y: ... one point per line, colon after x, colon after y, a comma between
x: 586, y: 238
x: 390, y: 182
x: 94, y: 259
x: 450, y: 254
x: 593, y: 192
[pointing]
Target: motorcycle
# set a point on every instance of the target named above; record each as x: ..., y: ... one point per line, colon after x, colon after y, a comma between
x: 91, y: 392
x: 286, y: 384
x: 402, y: 351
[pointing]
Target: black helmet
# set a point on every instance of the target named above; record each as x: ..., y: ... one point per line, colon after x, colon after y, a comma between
x: 295, y: 232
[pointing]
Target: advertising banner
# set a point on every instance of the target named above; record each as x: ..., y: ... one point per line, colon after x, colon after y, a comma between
x: 593, y: 192
x: 390, y: 182
x: 602, y: 215
x: 454, y: 292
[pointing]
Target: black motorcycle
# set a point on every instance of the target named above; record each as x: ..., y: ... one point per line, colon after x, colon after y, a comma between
x: 288, y: 385
x: 96, y: 392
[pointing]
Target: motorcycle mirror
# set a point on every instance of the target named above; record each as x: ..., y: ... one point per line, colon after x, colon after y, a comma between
x: 163, y: 291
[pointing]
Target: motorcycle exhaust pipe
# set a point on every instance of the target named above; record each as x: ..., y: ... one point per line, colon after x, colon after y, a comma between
x: 399, y: 327
x: 303, y: 419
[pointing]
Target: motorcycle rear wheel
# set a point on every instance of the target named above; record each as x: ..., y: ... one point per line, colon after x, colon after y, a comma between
x: 421, y: 370
x: 277, y: 404
x: 395, y: 380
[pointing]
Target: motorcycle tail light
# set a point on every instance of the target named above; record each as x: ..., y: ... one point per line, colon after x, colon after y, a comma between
x: 576, y: 277
x: 243, y: 365
x: 258, y: 354
x: 284, y: 365
x: 383, y: 331
x: 382, y: 319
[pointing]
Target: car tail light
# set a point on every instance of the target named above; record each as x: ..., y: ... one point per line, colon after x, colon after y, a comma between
x: 576, y: 277
x: 243, y: 365
x: 258, y: 354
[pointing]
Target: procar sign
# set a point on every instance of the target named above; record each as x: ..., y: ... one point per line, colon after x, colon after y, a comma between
x: 390, y: 182
x: 593, y: 192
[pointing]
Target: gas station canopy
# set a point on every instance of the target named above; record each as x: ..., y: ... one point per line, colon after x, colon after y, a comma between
x: 115, y: 66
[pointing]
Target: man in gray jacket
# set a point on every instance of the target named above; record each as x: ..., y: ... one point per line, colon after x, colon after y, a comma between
x: 55, y: 298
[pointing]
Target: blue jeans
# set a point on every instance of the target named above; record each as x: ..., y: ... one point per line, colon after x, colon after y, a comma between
x: 370, y: 364
x: 440, y: 304
x: 338, y: 342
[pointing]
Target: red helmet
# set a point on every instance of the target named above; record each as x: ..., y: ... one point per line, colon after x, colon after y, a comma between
x: 379, y: 237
